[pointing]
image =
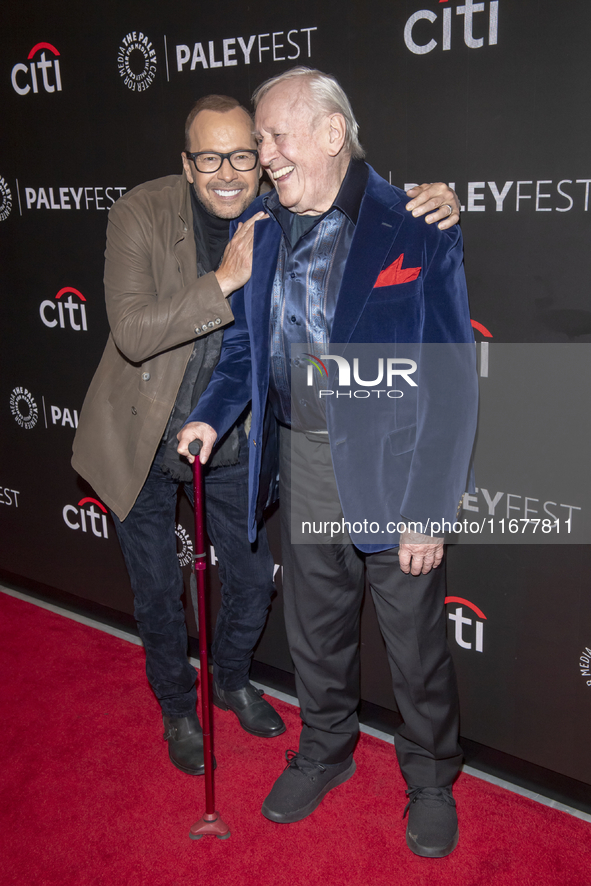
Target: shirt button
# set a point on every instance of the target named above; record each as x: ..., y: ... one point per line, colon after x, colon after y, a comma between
x: 217, y: 321
x: 133, y: 410
x: 293, y: 318
x: 204, y: 327
x: 210, y: 324
x: 303, y: 402
x: 145, y: 376
x: 292, y: 275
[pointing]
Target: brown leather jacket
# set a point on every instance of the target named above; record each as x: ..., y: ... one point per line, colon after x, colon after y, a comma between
x: 156, y: 307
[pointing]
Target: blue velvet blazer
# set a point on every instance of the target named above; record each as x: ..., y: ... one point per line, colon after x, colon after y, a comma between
x: 410, y: 462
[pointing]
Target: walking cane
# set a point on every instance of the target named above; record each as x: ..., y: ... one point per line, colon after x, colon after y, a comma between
x: 212, y: 823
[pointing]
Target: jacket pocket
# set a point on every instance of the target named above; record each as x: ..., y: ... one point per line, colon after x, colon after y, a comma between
x: 402, y: 440
x: 384, y: 294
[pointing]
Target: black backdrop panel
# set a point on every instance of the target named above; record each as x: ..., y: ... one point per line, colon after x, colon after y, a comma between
x: 490, y: 96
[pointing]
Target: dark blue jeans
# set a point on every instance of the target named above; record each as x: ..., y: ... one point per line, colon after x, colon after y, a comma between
x: 148, y: 541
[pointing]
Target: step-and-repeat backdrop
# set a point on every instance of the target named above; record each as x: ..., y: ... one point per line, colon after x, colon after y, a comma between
x: 490, y: 96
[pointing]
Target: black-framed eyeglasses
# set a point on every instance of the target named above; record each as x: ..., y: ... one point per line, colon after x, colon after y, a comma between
x: 211, y: 161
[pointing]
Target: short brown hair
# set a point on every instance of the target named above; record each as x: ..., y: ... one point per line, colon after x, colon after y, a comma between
x: 219, y: 103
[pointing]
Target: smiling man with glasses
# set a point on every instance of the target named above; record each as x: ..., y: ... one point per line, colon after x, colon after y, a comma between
x: 168, y: 272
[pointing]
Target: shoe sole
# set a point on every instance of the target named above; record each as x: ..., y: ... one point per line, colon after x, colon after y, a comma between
x: 299, y: 814
x: 432, y: 851
x: 200, y: 771
x: 218, y: 703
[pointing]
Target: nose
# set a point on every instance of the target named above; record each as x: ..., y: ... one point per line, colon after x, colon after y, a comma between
x: 265, y: 148
x: 226, y: 170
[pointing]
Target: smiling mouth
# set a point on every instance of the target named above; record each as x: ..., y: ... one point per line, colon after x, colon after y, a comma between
x: 227, y: 193
x: 281, y: 173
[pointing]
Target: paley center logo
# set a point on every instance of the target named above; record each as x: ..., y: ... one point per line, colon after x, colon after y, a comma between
x: 585, y: 664
x: 136, y: 61
x: 25, y: 78
x: 474, y: 636
x: 23, y: 407
x: 85, y: 516
x: 185, y: 554
x: 65, y: 312
x: 5, y: 200
x: 481, y: 27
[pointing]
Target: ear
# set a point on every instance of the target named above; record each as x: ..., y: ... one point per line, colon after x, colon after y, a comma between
x: 187, y: 167
x: 336, y: 134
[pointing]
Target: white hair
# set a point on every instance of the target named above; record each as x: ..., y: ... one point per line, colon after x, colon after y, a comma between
x: 326, y: 94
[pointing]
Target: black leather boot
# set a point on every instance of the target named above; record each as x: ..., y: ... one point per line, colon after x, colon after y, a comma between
x: 185, y: 743
x: 255, y: 714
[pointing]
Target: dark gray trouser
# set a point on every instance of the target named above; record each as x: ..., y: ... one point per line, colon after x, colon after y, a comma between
x: 323, y: 588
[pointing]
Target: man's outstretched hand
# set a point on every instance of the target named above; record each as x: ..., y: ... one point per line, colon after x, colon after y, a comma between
x: 435, y: 198
x: 196, y: 430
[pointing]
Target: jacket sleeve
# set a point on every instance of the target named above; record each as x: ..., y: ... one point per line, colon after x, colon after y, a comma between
x: 146, y: 315
x: 229, y: 390
x: 447, y: 391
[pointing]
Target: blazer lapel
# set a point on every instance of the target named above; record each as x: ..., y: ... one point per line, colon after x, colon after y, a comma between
x: 376, y: 229
x: 258, y: 290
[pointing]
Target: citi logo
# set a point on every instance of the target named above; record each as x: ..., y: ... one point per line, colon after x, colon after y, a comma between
x: 482, y: 351
x: 5, y: 200
x: 25, y: 78
x: 86, y: 517
x: 474, y: 636
x: 23, y: 407
x: 478, y: 27
x: 395, y: 367
x: 185, y: 554
x: 65, y: 313
x: 136, y: 61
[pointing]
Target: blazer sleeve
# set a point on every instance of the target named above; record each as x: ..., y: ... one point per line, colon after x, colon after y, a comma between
x: 229, y: 390
x: 146, y: 319
x: 447, y: 397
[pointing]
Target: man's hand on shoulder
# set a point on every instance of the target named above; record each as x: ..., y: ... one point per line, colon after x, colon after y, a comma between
x: 196, y: 430
x: 419, y: 553
x: 436, y: 198
x: 236, y: 265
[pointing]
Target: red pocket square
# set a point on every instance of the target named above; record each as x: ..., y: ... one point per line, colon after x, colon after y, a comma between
x: 397, y: 274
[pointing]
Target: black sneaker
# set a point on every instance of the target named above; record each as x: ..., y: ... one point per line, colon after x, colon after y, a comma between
x: 302, y: 785
x: 432, y: 830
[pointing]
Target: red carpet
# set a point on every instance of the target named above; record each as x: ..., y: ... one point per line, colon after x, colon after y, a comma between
x: 89, y: 797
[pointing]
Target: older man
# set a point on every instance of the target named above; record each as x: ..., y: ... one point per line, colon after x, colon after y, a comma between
x: 339, y: 260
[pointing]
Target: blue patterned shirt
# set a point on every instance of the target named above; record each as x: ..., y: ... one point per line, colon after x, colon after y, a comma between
x: 307, y: 280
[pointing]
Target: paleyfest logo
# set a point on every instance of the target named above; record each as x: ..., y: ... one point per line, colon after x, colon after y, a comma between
x: 5, y: 200
x: 24, y: 408
x: 136, y: 61
x: 25, y: 78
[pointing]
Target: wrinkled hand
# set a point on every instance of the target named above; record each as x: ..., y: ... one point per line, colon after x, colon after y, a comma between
x: 236, y: 266
x: 435, y: 196
x: 196, y: 430
x: 419, y: 553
